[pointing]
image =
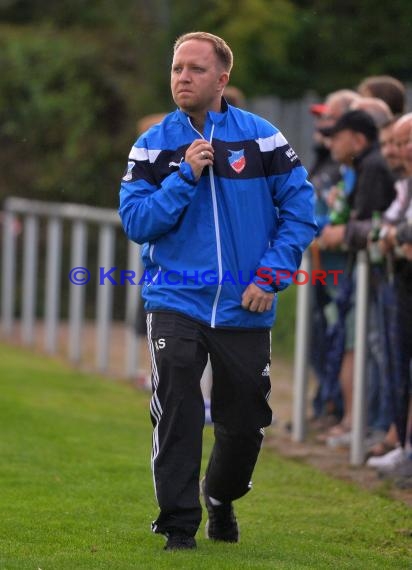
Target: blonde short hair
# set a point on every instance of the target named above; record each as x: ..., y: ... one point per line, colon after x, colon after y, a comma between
x: 222, y: 50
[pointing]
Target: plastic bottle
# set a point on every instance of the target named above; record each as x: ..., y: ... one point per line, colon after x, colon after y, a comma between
x: 375, y: 254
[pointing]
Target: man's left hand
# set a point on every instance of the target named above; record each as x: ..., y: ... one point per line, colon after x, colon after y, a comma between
x: 407, y: 251
x: 332, y: 236
x: 256, y: 299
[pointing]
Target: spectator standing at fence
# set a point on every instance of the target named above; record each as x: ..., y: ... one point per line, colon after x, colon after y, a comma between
x: 327, y: 175
x: 393, y: 215
x: 211, y: 189
x: 387, y: 88
x: 356, y: 237
x: 397, y: 232
x: 354, y: 141
x: 389, y: 149
x: 379, y: 412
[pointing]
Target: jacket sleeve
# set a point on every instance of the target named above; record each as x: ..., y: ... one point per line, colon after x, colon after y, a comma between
x: 293, y: 197
x: 404, y: 233
x: 356, y: 234
x: 374, y: 190
x: 149, y: 209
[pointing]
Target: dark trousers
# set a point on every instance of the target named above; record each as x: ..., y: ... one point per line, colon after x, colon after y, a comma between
x: 239, y: 406
x: 403, y: 389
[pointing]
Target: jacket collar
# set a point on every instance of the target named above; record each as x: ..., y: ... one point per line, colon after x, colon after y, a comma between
x: 217, y: 118
x: 370, y: 148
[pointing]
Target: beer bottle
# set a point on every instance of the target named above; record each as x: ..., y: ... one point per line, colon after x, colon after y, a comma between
x: 340, y: 209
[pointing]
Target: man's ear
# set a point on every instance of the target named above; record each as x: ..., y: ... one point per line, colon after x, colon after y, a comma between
x: 223, y: 80
x: 360, y: 140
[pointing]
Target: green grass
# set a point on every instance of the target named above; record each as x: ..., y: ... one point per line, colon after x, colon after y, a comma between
x: 283, y: 333
x: 76, y: 490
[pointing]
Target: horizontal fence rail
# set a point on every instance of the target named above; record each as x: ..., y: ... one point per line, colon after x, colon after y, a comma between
x: 22, y: 221
x: 22, y: 216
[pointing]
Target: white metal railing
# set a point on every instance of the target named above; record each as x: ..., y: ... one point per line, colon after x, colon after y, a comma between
x: 301, y: 368
x: 302, y: 364
x: 80, y: 218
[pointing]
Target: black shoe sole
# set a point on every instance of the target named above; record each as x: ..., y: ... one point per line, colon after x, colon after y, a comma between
x: 189, y: 544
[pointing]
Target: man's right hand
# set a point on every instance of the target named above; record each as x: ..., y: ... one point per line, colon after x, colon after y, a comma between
x: 198, y: 155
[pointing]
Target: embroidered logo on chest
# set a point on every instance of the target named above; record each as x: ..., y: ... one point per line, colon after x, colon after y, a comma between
x: 237, y: 160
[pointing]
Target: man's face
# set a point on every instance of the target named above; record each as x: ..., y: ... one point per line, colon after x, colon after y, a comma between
x: 197, y: 77
x: 322, y: 122
x: 343, y: 146
x: 402, y: 137
x: 389, y: 149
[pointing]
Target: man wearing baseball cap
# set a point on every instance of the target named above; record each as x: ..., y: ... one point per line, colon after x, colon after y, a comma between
x: 354, y: 142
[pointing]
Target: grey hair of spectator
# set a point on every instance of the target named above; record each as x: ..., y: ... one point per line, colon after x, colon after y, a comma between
x: 376, y: 108
x: 340, y: 101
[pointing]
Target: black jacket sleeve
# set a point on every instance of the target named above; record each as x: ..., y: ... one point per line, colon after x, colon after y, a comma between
x: 356, y: 234
x: 404, y: 233
x: 374, y: 188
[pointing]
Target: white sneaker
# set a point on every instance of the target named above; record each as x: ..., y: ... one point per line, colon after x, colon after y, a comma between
x: 388, y: 461
x: 343, y: 440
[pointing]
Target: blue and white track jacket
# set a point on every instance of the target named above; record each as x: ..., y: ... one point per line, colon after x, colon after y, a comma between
x: 203, y: 242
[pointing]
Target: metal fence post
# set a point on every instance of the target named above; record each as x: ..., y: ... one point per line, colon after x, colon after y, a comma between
x: 52, y: 293
x: 301, y: 362
x: 8, y: 272
x: 30, y: 241
x: 104, y: 297
x: 132, y: 303
x: 357, y: 453
x: 77, y: 292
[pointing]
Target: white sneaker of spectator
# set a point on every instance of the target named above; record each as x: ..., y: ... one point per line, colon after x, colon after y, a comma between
x: 343, y: 440
x: 388, y: 461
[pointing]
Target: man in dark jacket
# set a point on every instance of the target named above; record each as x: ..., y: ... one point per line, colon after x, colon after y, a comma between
x: 354, y: 142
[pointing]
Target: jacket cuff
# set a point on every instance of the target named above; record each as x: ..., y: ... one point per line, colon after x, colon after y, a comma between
x: 404, y: 233
x: 266, y: 282
x: 186, y: 174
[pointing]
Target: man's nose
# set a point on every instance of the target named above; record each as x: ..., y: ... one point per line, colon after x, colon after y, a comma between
x: 184, y: 75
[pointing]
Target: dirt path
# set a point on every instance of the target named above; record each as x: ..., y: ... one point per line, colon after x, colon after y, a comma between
x: 334, y: 461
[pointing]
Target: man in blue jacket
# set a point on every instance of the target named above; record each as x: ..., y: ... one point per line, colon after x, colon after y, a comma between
x: 223, y: 209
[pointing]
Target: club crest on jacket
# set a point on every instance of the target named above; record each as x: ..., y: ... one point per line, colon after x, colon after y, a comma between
x: 237, y: 160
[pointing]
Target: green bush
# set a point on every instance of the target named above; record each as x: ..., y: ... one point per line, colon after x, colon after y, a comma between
x: 60, y: 118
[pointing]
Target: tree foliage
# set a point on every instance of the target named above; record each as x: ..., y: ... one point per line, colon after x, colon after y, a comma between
x: 340, y: 43
x: 258, y: 32
x: 59, y: 116
x: 78, y: 74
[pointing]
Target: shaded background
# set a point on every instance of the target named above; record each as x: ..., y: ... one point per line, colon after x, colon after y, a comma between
x: 76, y: 75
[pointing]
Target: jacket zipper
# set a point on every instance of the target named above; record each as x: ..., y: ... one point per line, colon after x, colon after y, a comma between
x: 217, y: 230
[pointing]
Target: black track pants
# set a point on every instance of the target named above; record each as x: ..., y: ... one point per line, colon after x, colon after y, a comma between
x: 241, y: 385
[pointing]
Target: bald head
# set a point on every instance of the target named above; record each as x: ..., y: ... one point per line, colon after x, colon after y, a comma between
x: 339, y: 102
x: 402, y: 134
